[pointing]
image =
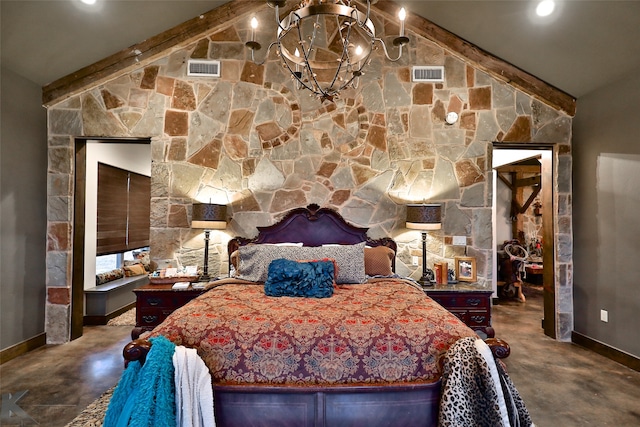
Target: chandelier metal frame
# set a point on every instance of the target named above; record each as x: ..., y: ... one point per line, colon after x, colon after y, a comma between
x: 303, y: 64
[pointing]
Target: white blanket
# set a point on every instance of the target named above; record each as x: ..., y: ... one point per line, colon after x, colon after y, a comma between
x: 194, y: 393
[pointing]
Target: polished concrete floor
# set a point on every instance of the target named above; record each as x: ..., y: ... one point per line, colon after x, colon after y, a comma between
x: 62, y: 380
x: 562, y: 384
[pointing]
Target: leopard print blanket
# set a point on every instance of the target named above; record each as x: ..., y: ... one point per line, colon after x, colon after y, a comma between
x: 476, y: 391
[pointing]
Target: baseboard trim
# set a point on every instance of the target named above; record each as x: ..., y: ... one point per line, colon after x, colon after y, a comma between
x: 614, y: 354
x: 102, y: 320
x: 22, y: 347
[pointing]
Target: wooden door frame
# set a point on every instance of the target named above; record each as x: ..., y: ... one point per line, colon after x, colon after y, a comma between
x: 78, y: 230
x: 548, y: 165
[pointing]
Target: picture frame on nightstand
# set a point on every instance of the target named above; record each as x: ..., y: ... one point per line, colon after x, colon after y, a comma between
x: 465, y: 268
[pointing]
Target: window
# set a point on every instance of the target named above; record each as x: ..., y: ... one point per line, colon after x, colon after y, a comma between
x: 123, y: 210
x: 106, y: 263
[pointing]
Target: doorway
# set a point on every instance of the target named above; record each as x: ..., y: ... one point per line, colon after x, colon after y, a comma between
x: 80, y: 275
x: 530, y: 158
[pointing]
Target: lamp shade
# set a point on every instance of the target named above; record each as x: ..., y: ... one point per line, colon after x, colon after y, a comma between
x: 424, y: 216
x: 209, y: 215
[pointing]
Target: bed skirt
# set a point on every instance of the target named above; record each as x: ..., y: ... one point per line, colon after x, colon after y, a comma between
x: 389, y: 405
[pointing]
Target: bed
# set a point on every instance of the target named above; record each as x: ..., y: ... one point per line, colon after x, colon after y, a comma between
x: 369, y: 354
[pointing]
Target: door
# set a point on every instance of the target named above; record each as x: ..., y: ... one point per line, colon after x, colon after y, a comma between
x: 512, y: 154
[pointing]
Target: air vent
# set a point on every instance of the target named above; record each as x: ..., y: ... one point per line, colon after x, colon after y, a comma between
x: 202, y: 68
x: 428, y: 73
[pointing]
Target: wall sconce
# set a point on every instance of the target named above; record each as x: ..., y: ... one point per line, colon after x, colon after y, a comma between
x: 424, y: 217
x: 210, y: 217
x: 451, y: 117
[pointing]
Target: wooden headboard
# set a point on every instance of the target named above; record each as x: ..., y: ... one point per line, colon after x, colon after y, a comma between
x: 313, y: 226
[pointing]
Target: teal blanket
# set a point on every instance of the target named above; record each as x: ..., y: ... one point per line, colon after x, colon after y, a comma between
x: 145, y: 395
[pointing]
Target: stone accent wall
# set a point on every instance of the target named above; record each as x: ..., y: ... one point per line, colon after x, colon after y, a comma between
x: 251, y: 140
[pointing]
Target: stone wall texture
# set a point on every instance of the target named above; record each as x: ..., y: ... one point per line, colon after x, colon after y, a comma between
x: 251, y: 140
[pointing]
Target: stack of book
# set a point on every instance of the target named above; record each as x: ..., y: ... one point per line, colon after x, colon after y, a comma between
x: 441, y: 272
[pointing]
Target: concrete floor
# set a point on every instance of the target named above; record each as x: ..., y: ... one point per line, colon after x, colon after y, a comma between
x: 562, y: 384
x: 62, y: 380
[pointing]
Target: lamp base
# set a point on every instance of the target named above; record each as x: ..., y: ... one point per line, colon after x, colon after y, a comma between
x: 427, y: 279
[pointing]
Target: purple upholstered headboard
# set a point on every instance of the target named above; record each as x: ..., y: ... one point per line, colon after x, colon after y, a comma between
x: 313, y: 226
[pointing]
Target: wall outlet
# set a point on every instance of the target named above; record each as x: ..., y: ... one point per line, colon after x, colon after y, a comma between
x: 414, y: 261
x: 459, y: 240
x: 604, y: 315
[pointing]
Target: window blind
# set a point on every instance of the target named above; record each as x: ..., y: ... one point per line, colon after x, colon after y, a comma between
x: 124, y: 211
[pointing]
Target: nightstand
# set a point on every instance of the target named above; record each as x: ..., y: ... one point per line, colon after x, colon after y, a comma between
x: 155, y: 302
x: 467, y: 303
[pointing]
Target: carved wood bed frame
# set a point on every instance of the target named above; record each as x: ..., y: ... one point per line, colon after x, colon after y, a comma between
x: 379, y: 405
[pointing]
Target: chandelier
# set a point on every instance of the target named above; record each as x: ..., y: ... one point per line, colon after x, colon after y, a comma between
x: 325, y: 44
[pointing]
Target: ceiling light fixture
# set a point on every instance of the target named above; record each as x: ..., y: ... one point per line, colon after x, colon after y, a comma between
x: 545, y: 7
x: 325, y: 44
x: 88, y: 1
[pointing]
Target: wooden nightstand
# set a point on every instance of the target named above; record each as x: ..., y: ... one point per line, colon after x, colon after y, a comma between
x: 155, y: 302
x: 467, y: 303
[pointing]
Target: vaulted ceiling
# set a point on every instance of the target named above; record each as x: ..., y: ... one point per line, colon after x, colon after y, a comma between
x: 585, y: 45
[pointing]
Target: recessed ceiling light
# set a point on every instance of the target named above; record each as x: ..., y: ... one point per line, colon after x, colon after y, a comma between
x: 545, y: 7
x: 88, y: 1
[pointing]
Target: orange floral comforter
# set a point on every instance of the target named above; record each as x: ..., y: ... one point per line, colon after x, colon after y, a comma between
x: 383, y: 331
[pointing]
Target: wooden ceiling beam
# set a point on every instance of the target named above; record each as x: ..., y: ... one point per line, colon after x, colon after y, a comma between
x: 526, y: 182
x: 494, y: 66
x: 531, y: 198
x: 519, y: 168
x: 505, y: 181
x: 188, y: 32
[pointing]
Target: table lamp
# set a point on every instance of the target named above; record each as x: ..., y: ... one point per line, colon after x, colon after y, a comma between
x: 210, y: 217
x: 424, y: 217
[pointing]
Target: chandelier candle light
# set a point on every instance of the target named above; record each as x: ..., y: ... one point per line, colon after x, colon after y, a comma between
x: 424, y: 217
x: 208, y: 216
x: 325, y: 44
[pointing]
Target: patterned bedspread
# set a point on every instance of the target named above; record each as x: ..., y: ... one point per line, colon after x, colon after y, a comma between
x: 380, y: 332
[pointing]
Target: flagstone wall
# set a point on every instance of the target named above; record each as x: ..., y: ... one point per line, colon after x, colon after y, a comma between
x: 251, y: 140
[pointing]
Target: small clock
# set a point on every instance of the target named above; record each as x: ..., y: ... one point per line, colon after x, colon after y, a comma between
x: 452, y: 117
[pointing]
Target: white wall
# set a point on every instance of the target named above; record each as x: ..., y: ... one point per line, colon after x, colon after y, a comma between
x: 132, y: 157
x: 502, y: 212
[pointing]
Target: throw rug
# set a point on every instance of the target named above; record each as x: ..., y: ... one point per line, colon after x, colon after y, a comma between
x: 127, y: 318
x: 93, y: 415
